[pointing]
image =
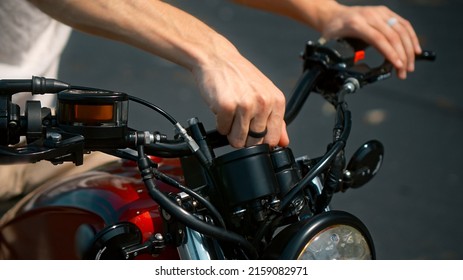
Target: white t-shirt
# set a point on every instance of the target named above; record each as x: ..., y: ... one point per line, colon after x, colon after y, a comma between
x: 31, y: 44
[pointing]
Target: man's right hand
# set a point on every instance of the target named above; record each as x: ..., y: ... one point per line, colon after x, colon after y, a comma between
x: 243, y: 99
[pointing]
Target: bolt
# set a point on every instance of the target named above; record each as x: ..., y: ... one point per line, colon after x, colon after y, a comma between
x: 55, y: 137
x: 166, y: 215
x: 158, y: 237
x: 12, y: 124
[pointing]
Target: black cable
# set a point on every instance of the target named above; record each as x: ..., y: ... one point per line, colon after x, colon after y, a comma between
x: 323, y: 163
x: 314, y: 172
x: 154, y: 107
x: 268, y: 224
x: 193, y: 146
x: 184, y: 216
x: 174, y: 183
x: 168, y: 150
x: 214, y: 212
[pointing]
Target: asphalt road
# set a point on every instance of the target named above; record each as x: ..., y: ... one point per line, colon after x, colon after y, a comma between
x: 413, y: 207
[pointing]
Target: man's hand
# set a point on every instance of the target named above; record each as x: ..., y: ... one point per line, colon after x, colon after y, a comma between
x: 380, y: 27
x: 243, y: 100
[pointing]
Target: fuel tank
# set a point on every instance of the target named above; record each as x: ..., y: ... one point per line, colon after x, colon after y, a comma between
x: 64, y: 219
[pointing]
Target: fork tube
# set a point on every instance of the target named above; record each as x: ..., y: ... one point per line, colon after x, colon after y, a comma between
x: 199, y: 247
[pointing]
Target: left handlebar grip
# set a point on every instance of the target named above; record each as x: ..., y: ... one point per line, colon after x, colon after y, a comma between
x: 9, y: 87
x: 36, y: 85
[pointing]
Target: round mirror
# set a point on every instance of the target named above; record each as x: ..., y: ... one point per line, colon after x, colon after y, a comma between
x: 364, y: 164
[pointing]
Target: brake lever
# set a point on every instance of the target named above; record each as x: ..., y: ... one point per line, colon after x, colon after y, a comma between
x: 359, y: 45
x: 367, y: 75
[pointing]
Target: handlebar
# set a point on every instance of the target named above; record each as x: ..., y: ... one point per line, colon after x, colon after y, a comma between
x: 326, y: 68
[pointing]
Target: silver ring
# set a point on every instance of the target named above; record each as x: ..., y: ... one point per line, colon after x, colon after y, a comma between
x: 392, y: 21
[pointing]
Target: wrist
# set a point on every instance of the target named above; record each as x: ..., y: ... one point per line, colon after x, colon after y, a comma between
x: 319, y: 13
x: 217, y: 53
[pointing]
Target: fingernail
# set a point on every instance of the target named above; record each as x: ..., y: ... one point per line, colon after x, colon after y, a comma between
x: 403, y: 75
x: 418, y: 49
x: 399, y: 63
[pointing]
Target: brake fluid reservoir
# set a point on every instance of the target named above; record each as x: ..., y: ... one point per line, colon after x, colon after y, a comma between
x: 100, y: 116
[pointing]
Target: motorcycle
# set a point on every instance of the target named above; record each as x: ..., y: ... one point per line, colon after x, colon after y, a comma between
x: 176, y: 198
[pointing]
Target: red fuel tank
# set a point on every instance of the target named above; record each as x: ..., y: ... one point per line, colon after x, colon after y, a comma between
x: 63, y: 220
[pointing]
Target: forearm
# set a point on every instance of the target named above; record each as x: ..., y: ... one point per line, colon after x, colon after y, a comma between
x: 309, y: 12
x: 154, y: 26
x: 240, y: 96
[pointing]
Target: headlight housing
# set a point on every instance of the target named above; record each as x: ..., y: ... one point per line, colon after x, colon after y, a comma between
x: 332, y: 235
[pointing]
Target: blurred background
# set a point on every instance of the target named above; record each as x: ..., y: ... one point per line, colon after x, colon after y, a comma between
x: 413, y: 207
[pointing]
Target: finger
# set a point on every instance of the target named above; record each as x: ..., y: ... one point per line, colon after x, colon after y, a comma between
x: 413, y: 37
x: 408, y: 46
x: 257, y: 125
x: 224, y: 120
x: 392, y: 33
x: 275, y: 123
x: 273, y: 130
x: 406, y: 41
x: 240, y: 126
x: 416, y: 43
x: 378, y: 40
x: 284, y: 138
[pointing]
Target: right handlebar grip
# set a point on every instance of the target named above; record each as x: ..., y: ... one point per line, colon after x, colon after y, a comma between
x: 426, y: 55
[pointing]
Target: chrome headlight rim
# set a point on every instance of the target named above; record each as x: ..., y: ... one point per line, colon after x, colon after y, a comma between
x: 292, y: 241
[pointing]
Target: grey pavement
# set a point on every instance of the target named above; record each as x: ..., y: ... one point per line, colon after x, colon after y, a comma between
x: 413, y: 207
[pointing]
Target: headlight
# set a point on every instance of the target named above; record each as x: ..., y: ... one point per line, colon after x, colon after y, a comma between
x: 333, y: 235
x: 337, y: 242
